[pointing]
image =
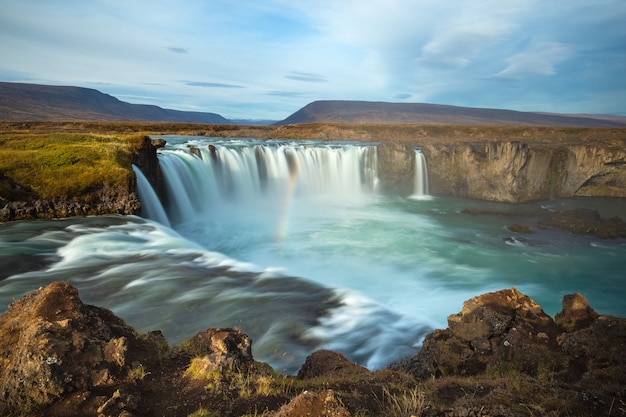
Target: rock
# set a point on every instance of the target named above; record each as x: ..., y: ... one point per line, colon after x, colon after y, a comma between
x: 587, y: 222
x: 158, y: 143
x: 576, y: 313
x: 327, y: 363
x: 195, y: 151
x: 507, y: 332
x: 311, y: 404
x: 51, y: 344
x: 223, y: 349
x: 520, y: 228
x: 492, y: 328
x: 491, y: 314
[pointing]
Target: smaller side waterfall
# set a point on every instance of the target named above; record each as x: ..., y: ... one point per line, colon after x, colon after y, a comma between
x: 420, y: 187
x: 151, y: 207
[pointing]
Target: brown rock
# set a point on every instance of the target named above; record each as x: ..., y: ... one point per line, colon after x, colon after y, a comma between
x: 223, y: 349
x: 586, y: 222
x: 328, y: 363
x: 491, y: 314
x: 520, y: 228
x: 311, y: 404
x: 502, y: 326
x: 576, y: 313
x: 52, y: 344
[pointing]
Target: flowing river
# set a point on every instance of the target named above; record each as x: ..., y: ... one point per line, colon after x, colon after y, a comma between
x: 295, y: 243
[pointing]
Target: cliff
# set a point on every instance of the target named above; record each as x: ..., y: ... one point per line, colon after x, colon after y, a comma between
x: 62, y: 175
x: 500, y: 356
x: 509, y: 171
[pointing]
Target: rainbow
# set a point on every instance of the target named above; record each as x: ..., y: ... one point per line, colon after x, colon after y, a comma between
x: 288, y: 202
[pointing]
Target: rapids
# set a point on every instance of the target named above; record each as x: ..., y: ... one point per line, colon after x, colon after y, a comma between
x: 296, y: 243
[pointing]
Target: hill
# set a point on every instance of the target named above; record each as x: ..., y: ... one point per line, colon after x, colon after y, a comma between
x: 337, y: 111
x: 35, y: 102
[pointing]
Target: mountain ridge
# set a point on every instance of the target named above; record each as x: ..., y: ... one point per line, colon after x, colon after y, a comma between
x: 38, y: 102
x: 347, y: 111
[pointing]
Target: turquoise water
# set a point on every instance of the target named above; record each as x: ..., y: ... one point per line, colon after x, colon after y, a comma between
x: 362, y: 273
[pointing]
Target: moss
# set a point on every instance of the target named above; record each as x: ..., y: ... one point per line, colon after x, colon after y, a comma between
x: 66, y: 164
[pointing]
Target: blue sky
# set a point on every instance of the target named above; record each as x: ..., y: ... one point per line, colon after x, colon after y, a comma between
x: 266, y: 59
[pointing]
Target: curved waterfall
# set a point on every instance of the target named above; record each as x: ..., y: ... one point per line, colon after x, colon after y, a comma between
x: 230, y: 176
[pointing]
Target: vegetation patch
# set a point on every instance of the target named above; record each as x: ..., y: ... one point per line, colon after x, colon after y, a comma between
x: 66, y: 165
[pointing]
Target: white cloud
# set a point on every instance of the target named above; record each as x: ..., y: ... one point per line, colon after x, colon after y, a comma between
x: 539, y: 60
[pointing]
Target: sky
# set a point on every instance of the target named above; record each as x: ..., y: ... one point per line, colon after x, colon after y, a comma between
x: 250, y: 59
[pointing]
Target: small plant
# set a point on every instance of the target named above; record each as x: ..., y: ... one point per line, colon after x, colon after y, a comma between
x: 203, y: 412
x: 138, y: 373
x: 409, y: 403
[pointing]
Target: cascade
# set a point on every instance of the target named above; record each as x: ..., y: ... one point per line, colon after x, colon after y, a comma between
x: 226, y: 178
x: 421, y: 175
x: 150, y: 205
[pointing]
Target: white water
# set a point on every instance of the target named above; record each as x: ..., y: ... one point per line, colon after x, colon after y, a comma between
x: 306, y: 254
x: 152, y: 207
x: 421, y: 177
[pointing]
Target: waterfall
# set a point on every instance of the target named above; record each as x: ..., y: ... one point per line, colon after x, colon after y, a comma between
x: 222, y: 180
x: 150, y: 205
x: 420, y: 187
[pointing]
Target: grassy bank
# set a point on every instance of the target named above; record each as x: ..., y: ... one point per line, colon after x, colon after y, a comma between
x: 63, y: 164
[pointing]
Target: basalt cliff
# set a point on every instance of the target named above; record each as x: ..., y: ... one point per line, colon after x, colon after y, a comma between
x: 501, y: 355
x: 509, y: 170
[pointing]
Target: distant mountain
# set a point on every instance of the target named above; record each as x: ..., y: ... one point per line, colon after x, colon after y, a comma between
x: 421, y: 113
x: 35, y: 102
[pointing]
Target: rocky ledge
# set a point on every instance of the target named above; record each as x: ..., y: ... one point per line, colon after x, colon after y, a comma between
x: 502, y: 355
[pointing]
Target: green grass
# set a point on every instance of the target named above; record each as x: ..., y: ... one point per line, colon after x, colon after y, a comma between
x: 66, y: 164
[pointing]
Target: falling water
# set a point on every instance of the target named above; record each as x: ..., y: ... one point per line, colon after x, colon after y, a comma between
x: 421, y: 176
x: 151, y: 206
x: 263, y: 183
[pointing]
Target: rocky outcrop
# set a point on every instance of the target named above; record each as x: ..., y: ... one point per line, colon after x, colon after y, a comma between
x: 53, y: 345
x: 104, y: 200
x: 100, y: 199
x: 578, y: 357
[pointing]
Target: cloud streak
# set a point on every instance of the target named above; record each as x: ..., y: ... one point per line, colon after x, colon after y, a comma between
x: 307, y: 77
x: 210, y: 85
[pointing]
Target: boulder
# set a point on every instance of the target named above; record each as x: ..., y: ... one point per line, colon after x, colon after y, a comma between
x: 576, y: 313
x: 51, y: 344
x: 326, y: 363
x: 222, y: 349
